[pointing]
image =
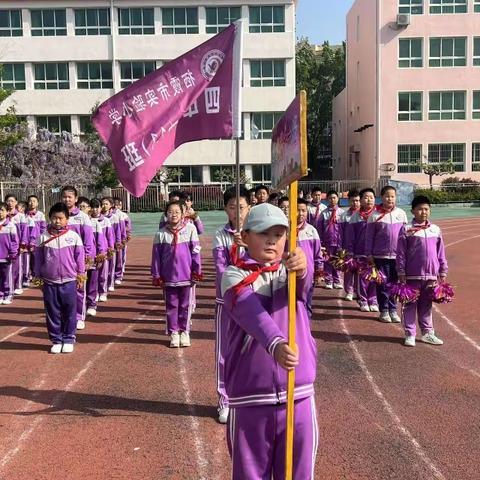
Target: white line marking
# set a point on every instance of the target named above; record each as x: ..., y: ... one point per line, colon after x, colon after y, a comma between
x: 462, y: 240
x: 10, y: 335
x: 395, y: 418
x: 202, y: 462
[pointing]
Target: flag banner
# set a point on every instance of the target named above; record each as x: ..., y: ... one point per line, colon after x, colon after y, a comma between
x: 289, y: 145
x: 193, y: 97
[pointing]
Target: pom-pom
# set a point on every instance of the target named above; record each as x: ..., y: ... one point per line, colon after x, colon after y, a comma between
x: 81, y: 278
x: 324, y: 253
x: 37, y: 282
x: 340, y: 260
x: 89, y: 261
x: 403, y: 292
x: 100, y: 258
x: 442, y: 293
x: 110, y: 253
x: 371, y: 273
x: 197, y: 277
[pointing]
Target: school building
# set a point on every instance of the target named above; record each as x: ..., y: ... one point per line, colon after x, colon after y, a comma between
x: 413, y: 90
x: 63, y: 57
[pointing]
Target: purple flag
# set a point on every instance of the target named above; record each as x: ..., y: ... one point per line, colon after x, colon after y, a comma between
x: 194, y: 97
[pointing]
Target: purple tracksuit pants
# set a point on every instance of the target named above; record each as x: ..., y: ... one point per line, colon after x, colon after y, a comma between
x: 421, y: 309
x: 96, y: 284
x: 119, y: 263
x: 331, y: 275
x: 111, y: 271
x: 386, y: 302
x: 178, y: 307
x: 367, y: 292
x: 61, y: 308
x: 17, y: 271
x: 6, y: 281
x: 256, y: 441
x: 350, y: 280
x: 82, y: 302
x: 221, y: 328
x: 25, y: 268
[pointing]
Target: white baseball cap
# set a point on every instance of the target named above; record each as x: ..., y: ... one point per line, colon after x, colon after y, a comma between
x: 263, y: 216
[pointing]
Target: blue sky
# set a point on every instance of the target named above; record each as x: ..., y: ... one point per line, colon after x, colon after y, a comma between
x: 321, y: 20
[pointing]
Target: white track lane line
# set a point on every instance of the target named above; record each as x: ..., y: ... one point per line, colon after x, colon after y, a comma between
x: 417, y: 448
x: 26, y: 434
x: 10, y: 335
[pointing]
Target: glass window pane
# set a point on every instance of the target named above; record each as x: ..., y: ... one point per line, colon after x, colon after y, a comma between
x: 62, y: 71
x: 51, y: 71
x: 94, y: 70
x: 435, y: 47
x: 278, y: 15
x: 211, y: 14
x: 460, y: 47
x: 447, y: 100
x: 254, y: 14
x: 137, y: 69
x: 476, y: 100
x: 447, y: 47
x: 48, y: 18
x: 266, y: 14
x: 60, y: 18
x: 459, y: 101
x: 148, y: 16
x: 106, y: 69
x: 179, y: 16
x: 404, y: 48
x: 403, y: 102
x: 267, y: 68
x: 36, y: 16
x: 434, y: 101
x: 255, y: 68
x: 80, y: 18
x: 167, y: 16
x: 39, y: 71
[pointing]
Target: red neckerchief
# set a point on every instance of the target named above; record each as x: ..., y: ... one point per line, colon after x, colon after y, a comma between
x: 175, y: 232
x: 417, y: 227
x: 234, y: 254
x: 317, y: 208
x: 256, y: 270
x: 351, y: 210
x: 383, y: 211
x: 300, y: 227
x: 31, y: 213
x: 333, y: 217
x: 12, y: 213
x: 54, y: 236
x: 365, y: 214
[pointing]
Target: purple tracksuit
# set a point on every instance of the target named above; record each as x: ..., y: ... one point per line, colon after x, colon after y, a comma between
x: 331, y: 236
x: 94, y: 273
x: 175, y: 258
x: 123, y: 220
x: 117, y: 235
x: 350, y: 279
x: 381, y: 244
x: 31, y: 233
x: 107, y: 228
x: 314, y: 212
x: 224, y: 255
x: 421, y: 258
x: 80, y: 223
x: 354, y: 243
x: 256, y: 385
x: 9, y: 244
x: 58, y: 259
x: 39, y: 228
x: 20, y: 222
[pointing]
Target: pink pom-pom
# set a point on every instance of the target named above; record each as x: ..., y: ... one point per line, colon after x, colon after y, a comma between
x: 371, y: 273
x: 404, y: 293
x: 442, y: 293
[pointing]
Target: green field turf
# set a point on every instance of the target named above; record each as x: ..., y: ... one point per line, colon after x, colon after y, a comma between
x: 147, y: 223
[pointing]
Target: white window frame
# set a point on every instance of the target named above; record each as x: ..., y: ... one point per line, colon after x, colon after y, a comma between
x: 476, y: 6
x: 476, y: 105
x: 409, y: 113
x: 459, y: 166
x: 266, y: 80
x: 476, y: 51
x: 57, y: 31
x: 177, y: 29
x: 266, y: 27
x: 144, y: 29
x: 93, y: 29
x: 89, y: 81
x: 410, y: 59
x: 59, y: 117
x: 475, y: 157
x: 447, y: 7
x: 262, y: 132
x: 450, y: 112
x: 411, y: 6
x: 56, y: 82
x: 9, y: 31
x: 212, y: 28
x: 13, y: 84
x: 443, y: 58
x: 125, y: 81
x: 266, y: 173
x: 409, y: 166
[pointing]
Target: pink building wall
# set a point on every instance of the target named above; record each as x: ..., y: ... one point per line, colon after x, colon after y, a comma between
x: 372, y: 34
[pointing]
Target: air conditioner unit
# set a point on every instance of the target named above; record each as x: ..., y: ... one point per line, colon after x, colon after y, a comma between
x: 403, y: 19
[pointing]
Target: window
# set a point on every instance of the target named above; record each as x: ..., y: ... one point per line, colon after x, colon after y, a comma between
x: 448, y: 52
x: 267, y: 73
x: 444, y: 152
x: 410, y: 53
x: 475, y: 157
x: 225, y: 173
x: 221, y: 17
x: 262, y: 123
x: 136, y: 21
x: 55, y: 124
x: 476, y: 105
x: 191, y: 174
x: 94, y: 75
x: 92, y: 21
x: 179, y: 20
x: 414, y: 7
x: 131, y: 71
x: 262, y: 173
x: 12, y: 76
x: 409, y: 158
x: 51, y: 76
x: 476, y: 51
x: 409, y: 106
x: 266, y: 19
x: 447, y: 106
x: 448, y: 6
x: 476, y: 6
x: 11, y: 23
x: 48, y: 23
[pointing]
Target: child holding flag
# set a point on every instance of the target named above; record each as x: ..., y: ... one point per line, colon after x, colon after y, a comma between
x: 176, y: 266
x: 258, y: 355
x: 228, y: 248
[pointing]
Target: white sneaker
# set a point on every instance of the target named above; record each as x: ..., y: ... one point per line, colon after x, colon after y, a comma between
x: 174, y: 340
x: 185, y: 339
x: 26, y: 284
x: 431, y: 338
x: 409, y: 341
x: 329, y: 286
x: 102, y: 298
x: 56, y: 348
x: 338, y: 286
x: 111, y: 289
x: 92, y: 312
x: 385, y: 317
x: 349, y: 297
x: 223, y: 415
x: 80, y: 325
x: 364, y: 308
x: 7, y: 301
x: 118, y: 282
x: 374, y: 308
x: 394, y: 317
x: 67, y: 348
x: 1, y: 301
x: 18, y: 291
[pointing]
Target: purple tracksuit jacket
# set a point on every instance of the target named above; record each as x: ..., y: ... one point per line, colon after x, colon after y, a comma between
x: 80, y: 223
x: 9, y: 241
x: 421, y: 252
x: 39, y: 219
x: 122, y: 223
x: 355, y: 233
x: 107, y: 229
x: 175, y: 263
x: 115, y: 225
x: 309, y: 241
x: 314, y: 212
x: 258, y: 321
x: 330, y: 233
x: 99, y: 236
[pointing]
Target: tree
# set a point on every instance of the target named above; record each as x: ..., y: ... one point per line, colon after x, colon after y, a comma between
x: 227, y: 176
x: 322, y: 76
x: 437, y: 169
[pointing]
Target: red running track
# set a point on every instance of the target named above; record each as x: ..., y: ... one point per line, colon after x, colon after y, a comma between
x: 125, y: 406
